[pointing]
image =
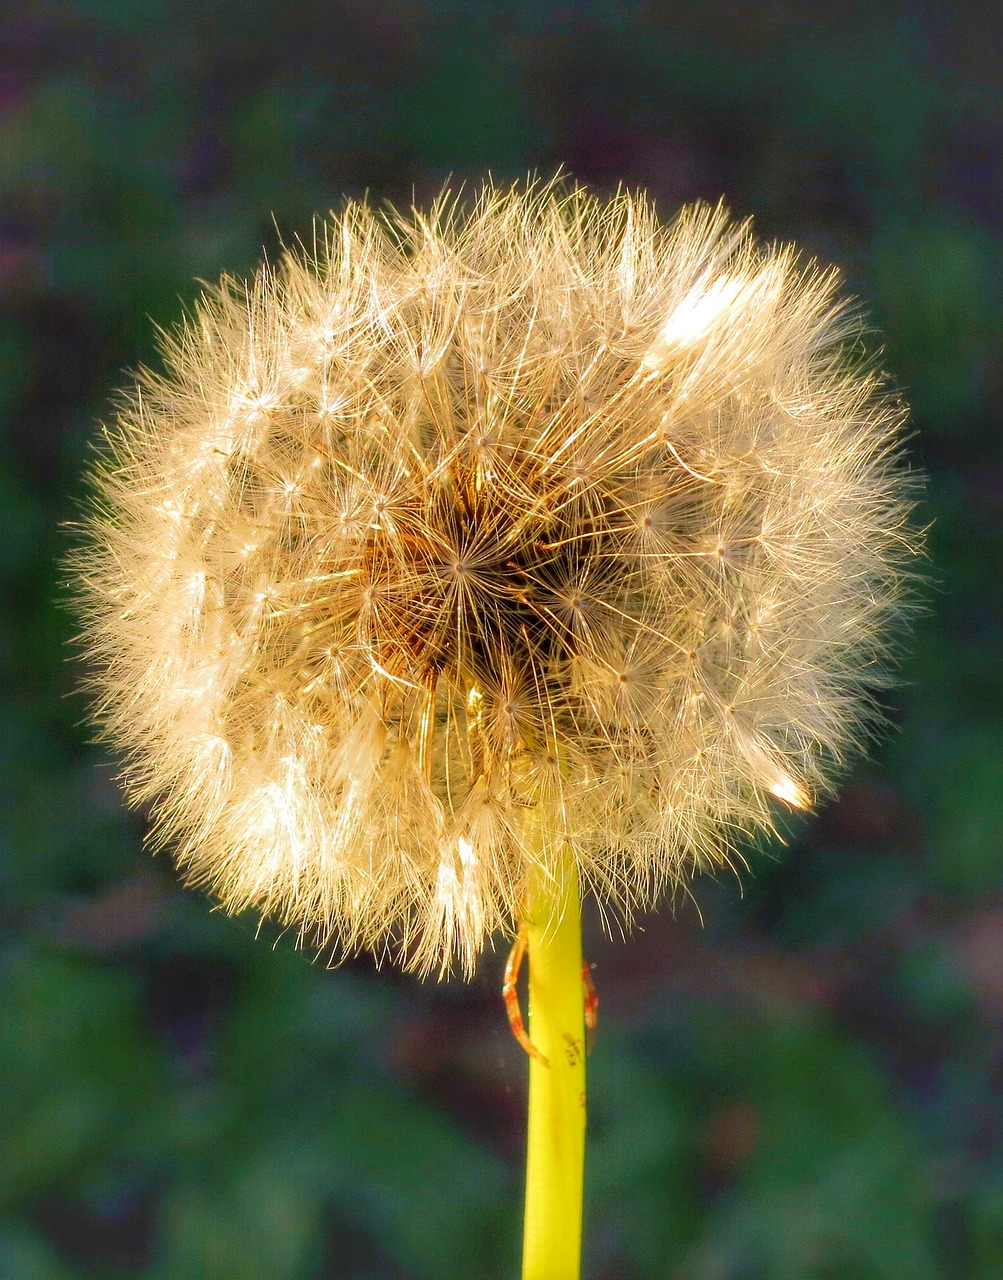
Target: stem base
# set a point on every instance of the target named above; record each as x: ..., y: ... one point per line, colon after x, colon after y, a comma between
x: 555, y: 1155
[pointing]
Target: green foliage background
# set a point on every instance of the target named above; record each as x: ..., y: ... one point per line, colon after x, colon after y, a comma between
x: 807, y: 1085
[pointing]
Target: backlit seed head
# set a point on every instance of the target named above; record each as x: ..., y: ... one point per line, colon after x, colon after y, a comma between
x: 473, y: 535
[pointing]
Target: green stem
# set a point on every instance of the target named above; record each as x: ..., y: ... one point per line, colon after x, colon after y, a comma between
x: 555, y: 1158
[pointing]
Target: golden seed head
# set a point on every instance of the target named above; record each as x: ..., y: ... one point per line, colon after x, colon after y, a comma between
x: 478, y: 533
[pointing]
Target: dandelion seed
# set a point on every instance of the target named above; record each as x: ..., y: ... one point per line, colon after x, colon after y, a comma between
x: 538, y: 515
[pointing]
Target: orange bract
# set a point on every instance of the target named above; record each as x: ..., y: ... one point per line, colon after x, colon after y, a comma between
x: 510, y: 995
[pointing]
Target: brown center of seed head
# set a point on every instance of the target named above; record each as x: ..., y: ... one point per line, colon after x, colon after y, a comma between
x: 486, y: 584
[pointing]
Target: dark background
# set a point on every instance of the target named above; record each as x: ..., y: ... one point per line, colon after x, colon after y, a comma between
x: 807, y: 1086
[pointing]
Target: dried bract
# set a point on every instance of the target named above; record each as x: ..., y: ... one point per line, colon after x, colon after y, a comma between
x: 473, y: 536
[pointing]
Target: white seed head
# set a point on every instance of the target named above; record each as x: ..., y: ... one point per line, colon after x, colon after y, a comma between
x: 475, y: 535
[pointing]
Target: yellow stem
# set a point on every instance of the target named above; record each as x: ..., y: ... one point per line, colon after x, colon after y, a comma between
x: 555, y: 1158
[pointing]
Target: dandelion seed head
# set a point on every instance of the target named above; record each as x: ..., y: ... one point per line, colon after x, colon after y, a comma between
x: 485, y: 533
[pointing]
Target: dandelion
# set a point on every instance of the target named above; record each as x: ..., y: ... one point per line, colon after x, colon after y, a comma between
x: 478, y: 555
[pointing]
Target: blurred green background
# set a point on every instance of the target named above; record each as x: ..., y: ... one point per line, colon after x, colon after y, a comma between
x: 806, y: 1086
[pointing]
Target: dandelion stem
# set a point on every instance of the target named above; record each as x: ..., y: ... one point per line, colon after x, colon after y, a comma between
x: 555, y: 1158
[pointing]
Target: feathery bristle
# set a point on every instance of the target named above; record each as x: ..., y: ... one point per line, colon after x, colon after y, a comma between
x: 479, y: 534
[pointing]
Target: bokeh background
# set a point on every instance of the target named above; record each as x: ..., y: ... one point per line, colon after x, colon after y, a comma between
x: 806, y: 1085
